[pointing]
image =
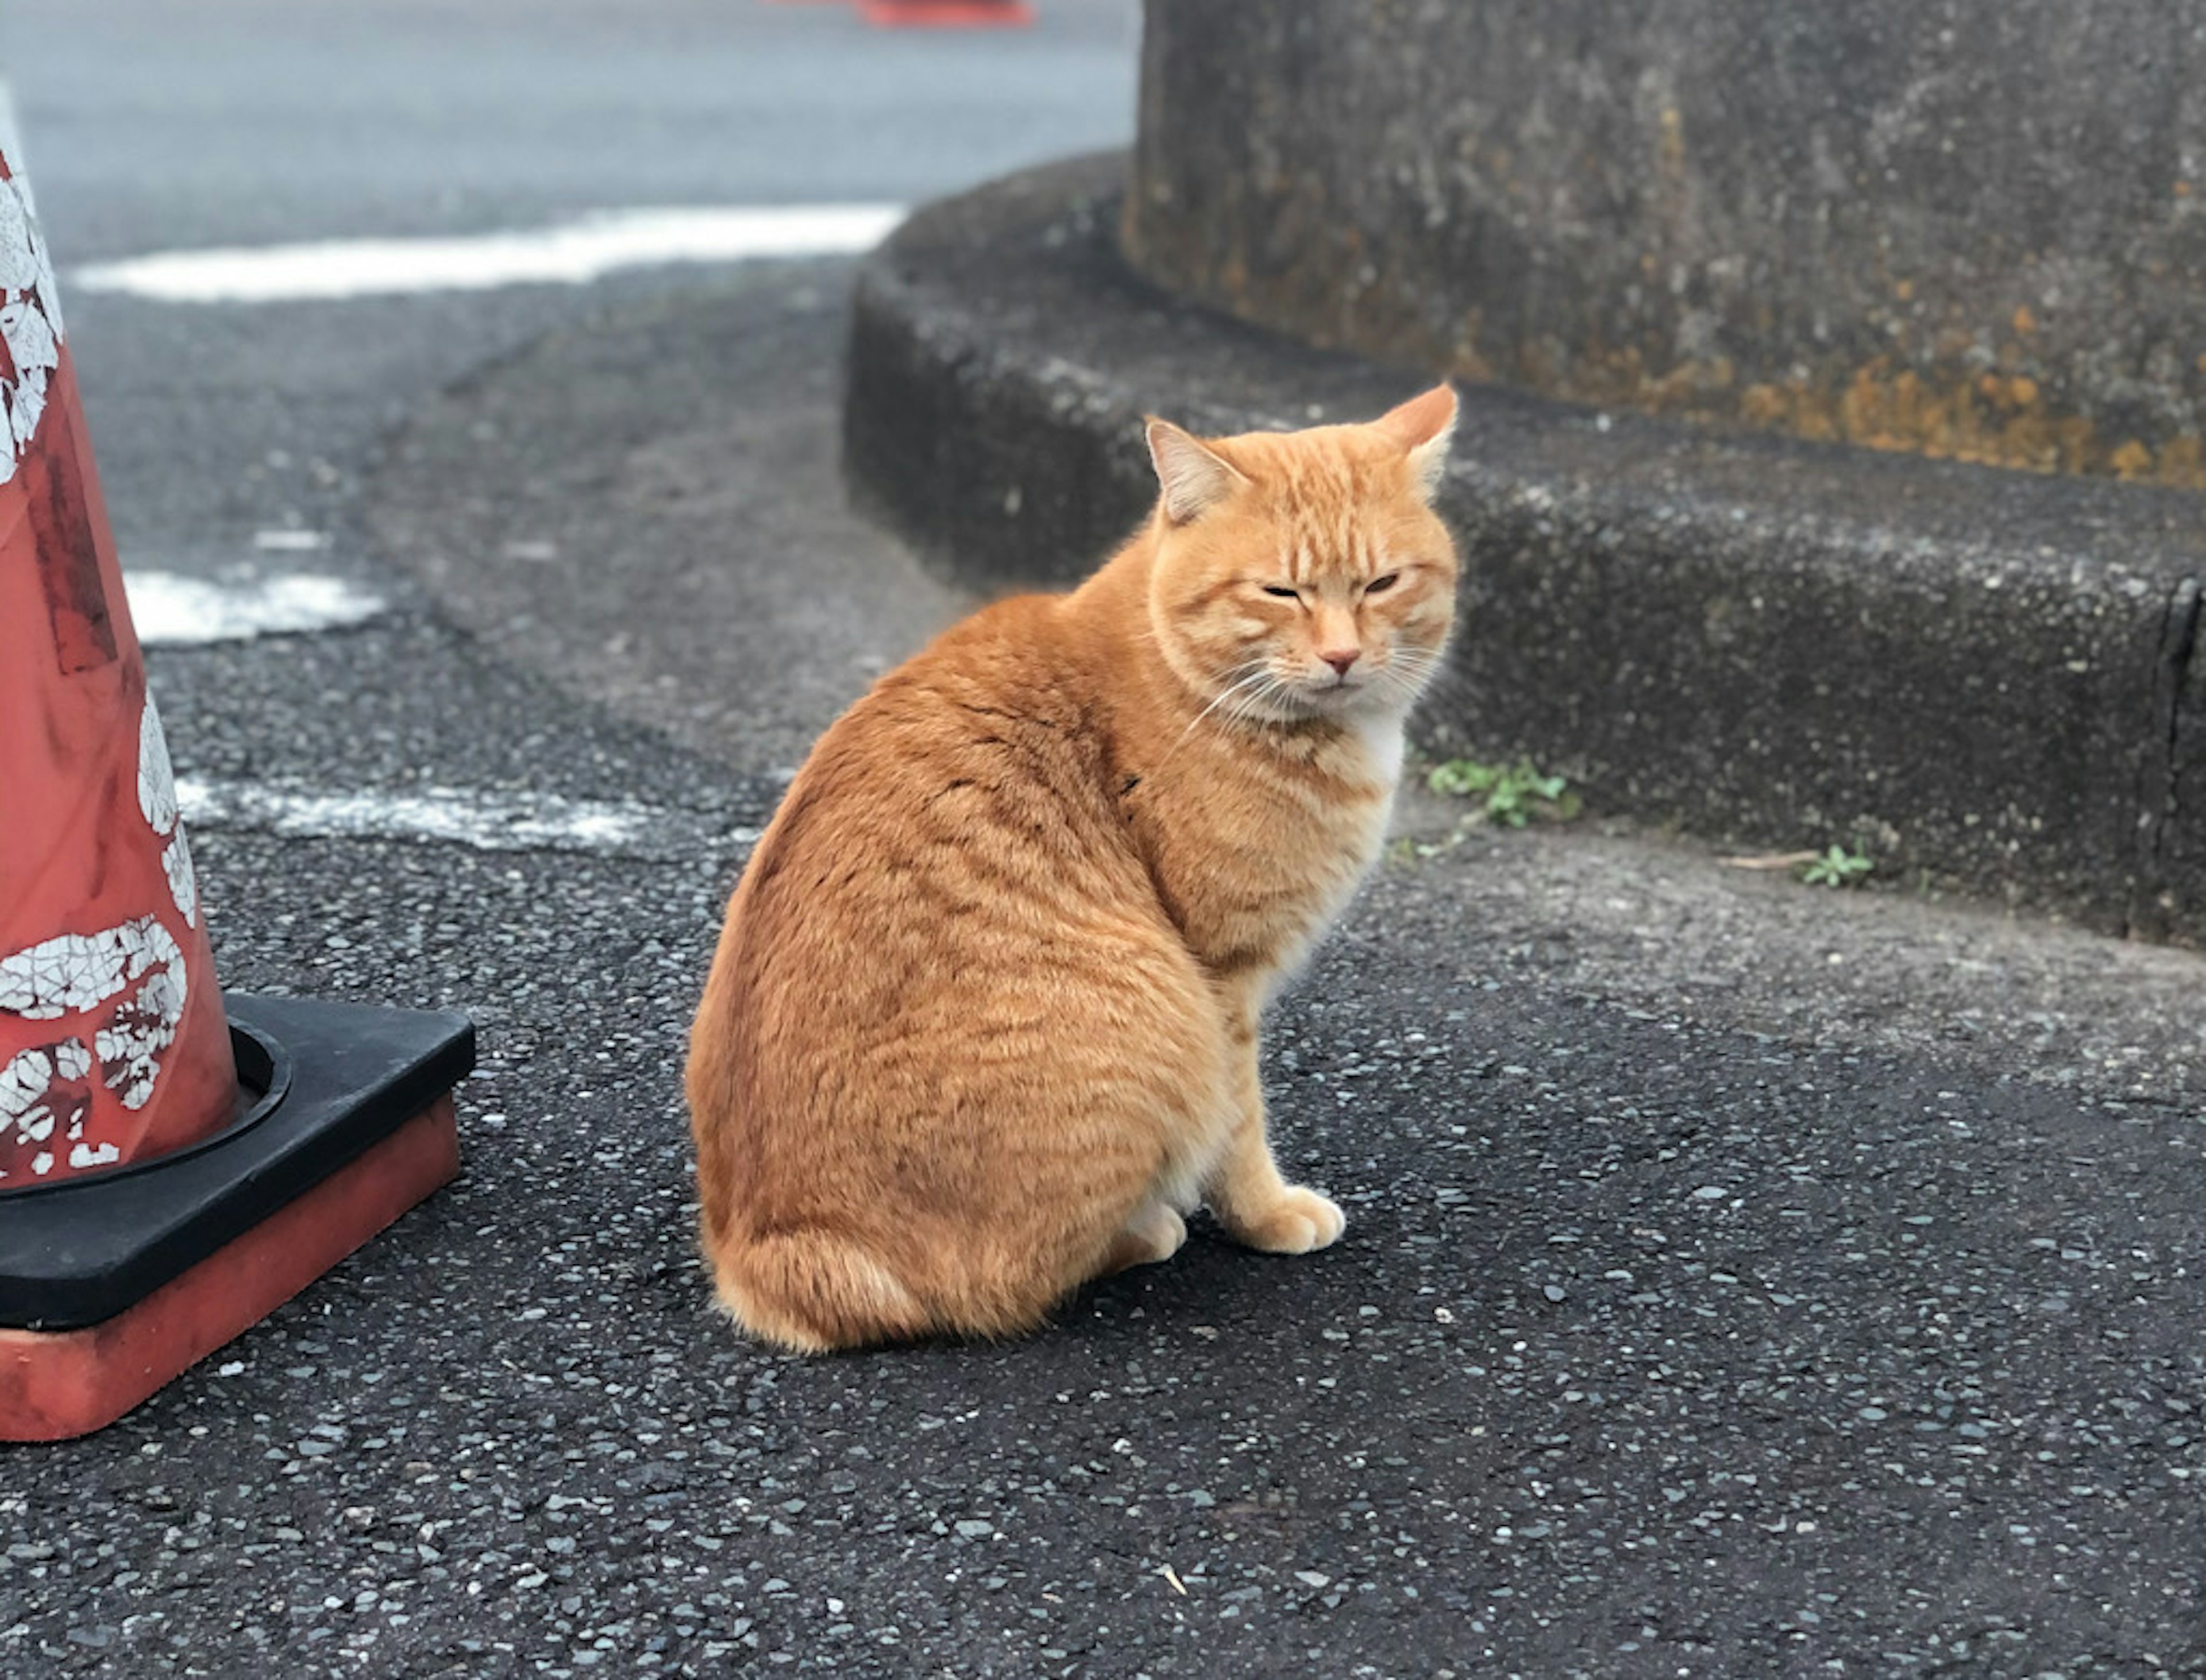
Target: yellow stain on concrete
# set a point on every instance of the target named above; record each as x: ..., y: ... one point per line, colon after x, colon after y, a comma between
x: 1993, y: 418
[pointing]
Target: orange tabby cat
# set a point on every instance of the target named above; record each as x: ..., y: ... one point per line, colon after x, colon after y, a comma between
x: 982, y: 1023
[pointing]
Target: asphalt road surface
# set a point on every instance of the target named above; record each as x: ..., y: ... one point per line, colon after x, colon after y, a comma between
x: 1739, y: 1279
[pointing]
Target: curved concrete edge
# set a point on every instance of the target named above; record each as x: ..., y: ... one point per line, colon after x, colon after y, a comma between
x: 1986, y: 678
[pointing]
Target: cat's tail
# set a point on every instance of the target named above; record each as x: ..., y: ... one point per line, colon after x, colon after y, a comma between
x: 811, y: 1291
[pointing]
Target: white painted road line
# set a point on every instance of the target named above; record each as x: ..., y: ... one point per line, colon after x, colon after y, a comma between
x: 566, y: 253
x: 491, y: 822
x: 288, y: 540
x: 173, y: 611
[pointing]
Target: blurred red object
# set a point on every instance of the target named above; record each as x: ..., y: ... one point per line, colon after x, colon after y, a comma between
x: 946, y: 14
x: 933, y: 14
x: 113, y: 1044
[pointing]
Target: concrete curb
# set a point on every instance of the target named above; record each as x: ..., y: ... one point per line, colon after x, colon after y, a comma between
x: 1987, y: 677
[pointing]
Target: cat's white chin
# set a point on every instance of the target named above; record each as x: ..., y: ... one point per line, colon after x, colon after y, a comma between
x: 1350, y: 702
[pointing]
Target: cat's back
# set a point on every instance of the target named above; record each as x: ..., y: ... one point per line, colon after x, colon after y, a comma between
x: 969, y: 781
x: 1001, y: 706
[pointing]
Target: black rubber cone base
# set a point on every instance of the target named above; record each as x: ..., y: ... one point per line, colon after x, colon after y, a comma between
x: 113, y: 1283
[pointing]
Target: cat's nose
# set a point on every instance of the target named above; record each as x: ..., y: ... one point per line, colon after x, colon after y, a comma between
x: 1341, y: 661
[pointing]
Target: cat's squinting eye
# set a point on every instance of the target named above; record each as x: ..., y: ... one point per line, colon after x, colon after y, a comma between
x: 1379, y: 583
x: 1283, y: 592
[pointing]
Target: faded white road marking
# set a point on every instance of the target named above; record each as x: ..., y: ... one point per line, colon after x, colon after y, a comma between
x: 567, y: 253
x: 456, y: 816
x: 290, y: 541
x: 173, y: 611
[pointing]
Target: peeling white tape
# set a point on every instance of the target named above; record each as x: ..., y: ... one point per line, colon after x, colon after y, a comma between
x: 30, y: 320
x: 72, y: 973
x: 567, y: 253
x: 171, y: 610
x: 184, y: 882
x: 43, y: 1091
x: 157, y: 799
x: 157, y: 780
x: 130, y: 1044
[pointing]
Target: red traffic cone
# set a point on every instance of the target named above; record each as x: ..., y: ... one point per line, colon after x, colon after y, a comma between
x: 112, y: 1042
x: 946, y: 14
x: 170, y: 1172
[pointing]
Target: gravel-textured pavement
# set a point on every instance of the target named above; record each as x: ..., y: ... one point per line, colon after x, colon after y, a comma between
x: 1739, y: 1280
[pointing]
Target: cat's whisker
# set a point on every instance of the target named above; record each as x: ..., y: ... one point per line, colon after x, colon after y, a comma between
x: 1411, y: 670
x: 1447, y: 677
x: 1417, y: 682
x: 1245, y: 708
x: 1236, y: 703
x: 1416, y: 658
x: 1242, y: 676
x: 1415, y: 664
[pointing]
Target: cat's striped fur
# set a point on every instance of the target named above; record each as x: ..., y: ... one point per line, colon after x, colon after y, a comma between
x: 982, y: 1023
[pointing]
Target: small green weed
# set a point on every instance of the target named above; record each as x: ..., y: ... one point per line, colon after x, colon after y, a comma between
x: 1837, y: 867
x: 1514, y: 794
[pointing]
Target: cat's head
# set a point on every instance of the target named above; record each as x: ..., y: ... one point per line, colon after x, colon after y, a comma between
x: 1304, y: 574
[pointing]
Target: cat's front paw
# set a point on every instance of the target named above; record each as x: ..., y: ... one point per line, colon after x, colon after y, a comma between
x: 1299, y: 1221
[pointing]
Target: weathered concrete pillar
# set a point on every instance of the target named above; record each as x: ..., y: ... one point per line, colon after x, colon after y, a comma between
x: 1968, y: 232
x: 1970, y: 229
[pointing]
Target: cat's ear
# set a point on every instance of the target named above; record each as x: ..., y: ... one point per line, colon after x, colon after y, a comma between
x: 1193, y: 476
x: 1423, y: 427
